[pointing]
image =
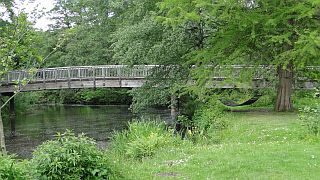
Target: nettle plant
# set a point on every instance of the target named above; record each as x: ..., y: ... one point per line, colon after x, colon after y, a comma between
x: 310, y: 116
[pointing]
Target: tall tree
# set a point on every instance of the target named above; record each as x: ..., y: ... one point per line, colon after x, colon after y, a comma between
x: 141, y: 39
x: 17, y: 42
x: 280, y: 33
x: 7, y: 5
x: 88, y: 25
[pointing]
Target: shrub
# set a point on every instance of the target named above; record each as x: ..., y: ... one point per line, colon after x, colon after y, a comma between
x: 12, y: 169
x: 310, y: 117
x: 70, y: 157
x: 208, y: 120
x: 303, y: 98
x: 142, y: 139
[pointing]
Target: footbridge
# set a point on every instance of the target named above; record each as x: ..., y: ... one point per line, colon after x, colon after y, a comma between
x: 123, y: 76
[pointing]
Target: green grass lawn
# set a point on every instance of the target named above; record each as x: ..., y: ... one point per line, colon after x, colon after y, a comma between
x: 257, y: 145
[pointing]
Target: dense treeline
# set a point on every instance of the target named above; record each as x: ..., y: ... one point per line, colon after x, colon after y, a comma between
x: 99, y: 96
x: 179, y: 33
x: 189, y: 37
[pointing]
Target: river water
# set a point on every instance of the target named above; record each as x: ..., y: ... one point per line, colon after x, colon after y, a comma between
x: 42, y: 123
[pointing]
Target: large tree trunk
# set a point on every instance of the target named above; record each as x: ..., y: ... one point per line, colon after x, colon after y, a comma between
x: 285, y: 75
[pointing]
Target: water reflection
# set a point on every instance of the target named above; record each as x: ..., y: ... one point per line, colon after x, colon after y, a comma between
x: 98, y: 122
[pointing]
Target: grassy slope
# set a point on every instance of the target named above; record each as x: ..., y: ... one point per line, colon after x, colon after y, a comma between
x: 257, y: 145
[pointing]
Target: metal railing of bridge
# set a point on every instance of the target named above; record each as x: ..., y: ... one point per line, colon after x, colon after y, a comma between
x: 78, y: 72
x: 124, y: 71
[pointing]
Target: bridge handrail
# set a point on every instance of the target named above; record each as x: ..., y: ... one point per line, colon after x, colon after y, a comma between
x: 119, y: 71
x: 78, y: 72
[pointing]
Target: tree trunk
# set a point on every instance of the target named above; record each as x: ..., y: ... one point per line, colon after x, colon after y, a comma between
x: 174, y: 107
x: 285, y: 75
x: 12, y: 117
x: 2, y: 140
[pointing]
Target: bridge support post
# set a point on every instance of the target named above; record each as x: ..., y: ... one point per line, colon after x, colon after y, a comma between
x: 12, y: 117
x: 174, y: 107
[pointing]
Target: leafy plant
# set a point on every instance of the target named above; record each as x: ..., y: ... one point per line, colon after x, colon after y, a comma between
x: 12, y: 169
x: 70, y: 157
x: 142, y: 139
x: 310, y: 117
x: 208, y: 120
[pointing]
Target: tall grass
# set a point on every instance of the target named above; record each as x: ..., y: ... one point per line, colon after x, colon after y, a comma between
x: 143, y: 138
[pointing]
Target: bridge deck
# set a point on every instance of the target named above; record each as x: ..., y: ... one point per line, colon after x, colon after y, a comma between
x: 127, y: 76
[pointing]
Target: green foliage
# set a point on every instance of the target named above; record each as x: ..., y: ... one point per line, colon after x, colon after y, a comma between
x: 305, y: 98
x: 132, y: 11
x: 68, y: 14
x: 18, y: 42
x: 245, y: 32
x: 25, y: 101
x: 310, y: 117
x: 179, y: 12
x: 155, y: 97
x: 10, y: 168
x: 208, y: 120
x: 253, y: 142
x: 185, y: 121
x: 143, y: 139
x: 140, y: 39
x: 100, y: 96
x: 132, y: 44
x: 17, y: 47
x: 269, y: 39
x: 70, y: 157
x: 87, y: 26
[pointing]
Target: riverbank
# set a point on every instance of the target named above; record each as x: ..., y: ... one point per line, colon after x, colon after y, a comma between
x: 257, y: 145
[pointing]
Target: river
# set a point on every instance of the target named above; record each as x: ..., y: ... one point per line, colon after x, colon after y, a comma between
x: 42, y: 123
